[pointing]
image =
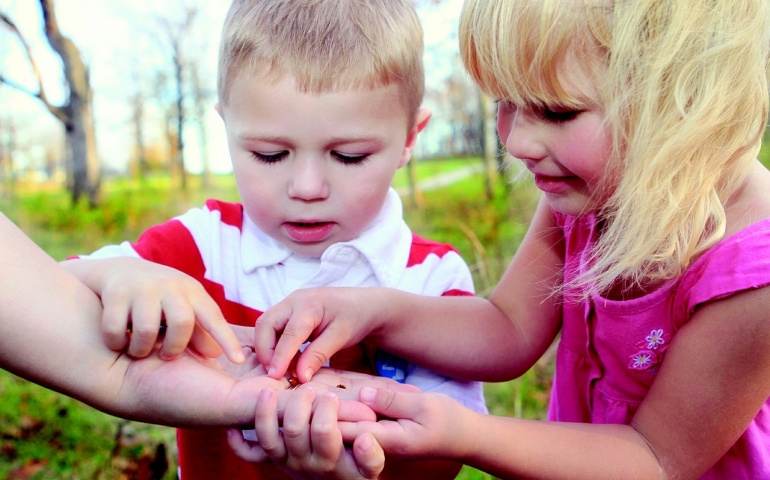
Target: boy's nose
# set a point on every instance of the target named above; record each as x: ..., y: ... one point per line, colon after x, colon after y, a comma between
x: 518, y: 131
x: 309, y: 182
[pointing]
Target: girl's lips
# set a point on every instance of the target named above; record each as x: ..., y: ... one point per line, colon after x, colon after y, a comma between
x: 311, y: 232
x: 555, y: 185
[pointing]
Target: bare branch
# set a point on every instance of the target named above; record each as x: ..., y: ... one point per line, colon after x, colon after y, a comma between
x: 40, y: 95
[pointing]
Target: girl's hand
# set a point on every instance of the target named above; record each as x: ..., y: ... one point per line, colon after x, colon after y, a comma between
x: 142, y: 299
x: 310, y: 445
x: 335, y: 318
x: 417, y: 425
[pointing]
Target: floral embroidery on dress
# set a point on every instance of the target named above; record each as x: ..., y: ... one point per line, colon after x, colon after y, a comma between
x: 650, y: 353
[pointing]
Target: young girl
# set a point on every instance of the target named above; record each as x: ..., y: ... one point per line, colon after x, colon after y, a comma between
x: 649, y: 252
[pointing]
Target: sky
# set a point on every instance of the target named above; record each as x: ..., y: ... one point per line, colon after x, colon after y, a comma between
x: 119, y: 41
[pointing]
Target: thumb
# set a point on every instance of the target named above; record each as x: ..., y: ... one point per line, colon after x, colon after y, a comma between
x: 369, y: 456
x: 390, y: 403
x: 317, y: 353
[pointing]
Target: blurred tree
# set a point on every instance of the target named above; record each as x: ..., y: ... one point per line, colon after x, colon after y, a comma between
x: 177, y: 33
x: 201, y: 97
x: 167, y: 107
x: 139, y: 167
x: 77, y: 112
x: 7, y: 153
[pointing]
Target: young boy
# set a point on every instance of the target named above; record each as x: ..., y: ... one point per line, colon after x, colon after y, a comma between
x: 321, y: 104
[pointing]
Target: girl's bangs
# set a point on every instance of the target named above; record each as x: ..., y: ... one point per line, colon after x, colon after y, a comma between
x: 522, y: 51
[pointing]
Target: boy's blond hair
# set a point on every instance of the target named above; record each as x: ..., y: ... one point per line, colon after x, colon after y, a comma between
x: 327, y: 45
x: 683, y: 85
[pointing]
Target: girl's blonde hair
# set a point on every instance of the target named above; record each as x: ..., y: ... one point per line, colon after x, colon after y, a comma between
x: 327, y: 45
x: 683, y: 86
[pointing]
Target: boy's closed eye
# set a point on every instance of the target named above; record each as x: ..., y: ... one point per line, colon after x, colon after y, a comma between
x: 350, y: 159
x: 270, y: 157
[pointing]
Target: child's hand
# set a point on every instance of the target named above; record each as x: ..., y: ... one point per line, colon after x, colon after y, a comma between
x: 336, y: 318
x: 418, y: 425
x: 310, y: 443
x: 140, y: 296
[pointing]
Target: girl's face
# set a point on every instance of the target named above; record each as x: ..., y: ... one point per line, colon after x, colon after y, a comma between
x: 566, y: 149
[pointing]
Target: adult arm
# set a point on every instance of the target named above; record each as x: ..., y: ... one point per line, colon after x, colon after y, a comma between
x: 51, y: 336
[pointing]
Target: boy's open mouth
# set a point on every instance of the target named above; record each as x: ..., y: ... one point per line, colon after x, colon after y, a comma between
x: 309, y: 232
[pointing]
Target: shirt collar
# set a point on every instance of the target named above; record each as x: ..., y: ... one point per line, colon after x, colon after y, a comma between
x: 385, y: 244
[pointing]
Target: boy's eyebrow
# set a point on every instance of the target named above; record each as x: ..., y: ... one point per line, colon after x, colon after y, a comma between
x: 370, y: 139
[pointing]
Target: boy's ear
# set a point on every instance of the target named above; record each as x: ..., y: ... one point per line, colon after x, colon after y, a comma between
x: 218, y: 108
x: 420, y: 122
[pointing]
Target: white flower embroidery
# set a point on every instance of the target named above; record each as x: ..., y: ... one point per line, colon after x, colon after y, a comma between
x: 655, y: 339
x: 642, y: 360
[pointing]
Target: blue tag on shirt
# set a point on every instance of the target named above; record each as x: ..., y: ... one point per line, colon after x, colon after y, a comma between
x: 390, y: 366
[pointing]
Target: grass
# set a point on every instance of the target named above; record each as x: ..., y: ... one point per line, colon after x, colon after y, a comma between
x: 45, y: 435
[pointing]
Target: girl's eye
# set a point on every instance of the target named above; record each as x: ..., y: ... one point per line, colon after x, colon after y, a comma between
x: 270, y: 157
x: 350, y: 159
x: 558, y: 114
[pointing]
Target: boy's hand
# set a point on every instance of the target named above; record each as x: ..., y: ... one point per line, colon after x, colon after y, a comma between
x: 140, y: 296
x: 310, y: 445
x: 335, y: 318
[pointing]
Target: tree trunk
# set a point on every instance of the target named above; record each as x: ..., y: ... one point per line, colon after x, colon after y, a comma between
x: 415, y: 192
x: 77, y: 114
x: 491, y: 143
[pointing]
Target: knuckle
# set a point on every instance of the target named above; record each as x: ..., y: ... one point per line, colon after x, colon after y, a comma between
x: 387, y: 398
x: 318, y: 357
x: 293, y: 431
x: 144, y: 333
x: 185, y: 322
x: 322, y: 429
x: 272, y: 448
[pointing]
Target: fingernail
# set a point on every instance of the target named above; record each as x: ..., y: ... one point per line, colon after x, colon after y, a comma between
x: 265, y: 394
x: 366, y: 444
x: 367, y: 394
x: 229, y: 433
x: 271, y: 372
x: 239, y: 358
x: 308, y: 374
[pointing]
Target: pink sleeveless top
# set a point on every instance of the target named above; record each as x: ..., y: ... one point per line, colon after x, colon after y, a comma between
x: 611, y: 350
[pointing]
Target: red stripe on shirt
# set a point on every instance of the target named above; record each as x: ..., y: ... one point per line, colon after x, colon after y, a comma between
x: 456, y: 293
x: 171, y: 244
x: 231, y: 213
x: 422, y: 247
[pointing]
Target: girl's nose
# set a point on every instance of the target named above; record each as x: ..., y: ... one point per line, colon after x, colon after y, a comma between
x: 518, y: 131
x: 309, y: 182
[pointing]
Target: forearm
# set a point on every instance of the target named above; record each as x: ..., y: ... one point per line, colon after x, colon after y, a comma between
x: 430, y: 330
x: 508, y: 447
x: 50, y: 321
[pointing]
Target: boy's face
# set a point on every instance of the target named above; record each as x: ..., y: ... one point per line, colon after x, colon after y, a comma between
x: 314, y: 169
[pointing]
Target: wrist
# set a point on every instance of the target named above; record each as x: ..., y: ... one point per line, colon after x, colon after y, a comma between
x: 385, y: 315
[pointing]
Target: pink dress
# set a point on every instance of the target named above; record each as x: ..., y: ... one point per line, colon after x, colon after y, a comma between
x: 611, y: 350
